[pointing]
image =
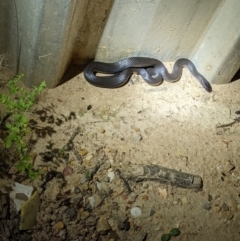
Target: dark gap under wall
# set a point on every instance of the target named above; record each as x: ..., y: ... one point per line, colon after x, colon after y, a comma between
x: 236, y: 76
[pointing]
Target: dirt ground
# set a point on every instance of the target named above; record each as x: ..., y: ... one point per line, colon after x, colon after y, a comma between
x: 178, y: 126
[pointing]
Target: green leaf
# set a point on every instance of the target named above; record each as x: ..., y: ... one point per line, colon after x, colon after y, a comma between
x: 16, y: 102
x: 25, y: 149
x: 26, y: 158
x: 3, y: 98
x: 9, y: 126
x: 165, y: 237
x: 32, y: 175
x: 17, y: 117
x: 8, y: 143
x: 21, y: 167
x: 174, y: 232
x: 23, y: 119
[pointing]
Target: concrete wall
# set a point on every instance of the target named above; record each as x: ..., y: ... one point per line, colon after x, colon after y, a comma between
x: 43, y: 37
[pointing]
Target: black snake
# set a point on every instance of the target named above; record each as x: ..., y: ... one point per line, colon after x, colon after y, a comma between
x: 152, y: 71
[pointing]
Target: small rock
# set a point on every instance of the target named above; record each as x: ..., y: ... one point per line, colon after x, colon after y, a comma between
x: 136, y: 212
x: 77, y: 190
x: 121, y: 217
x: 62, y: 233
x: 151, y: 212
x: 163, y: 192
x: 206, y: 205
x: 101, y: 130
x: 90, y: 221
x: 103, y: 188
x: 102, y: 226
x: 83, y: 152
x: 138, y: 137
x: 228, y: 167
x: 85, y: 186
x: 210, y: 198
x: 184, y: 200
x: 118, y: 191
x: 83, y: 179
x: 124, y: 225
x: 145, y: 185
x: 226, y: 215
x: 88, y: 157
x: 176, y: 202
x: 98, y: 200
x: 59, y: 225
x: 91, y: 201
x: 70, y: 213
x: 137, y: 129
x: 106, y: 179
x: 29, y: 211
x: 238, y: 206
x: 84, y: 214
x: 216, y: 209
x: 131, y: 198
x: 57, y: 228
x: 225, y: 207
x: 95, y: 200
x: 144, y: 197
x: 67, y: 171
x: 111, y: 176
x: 107, y: 164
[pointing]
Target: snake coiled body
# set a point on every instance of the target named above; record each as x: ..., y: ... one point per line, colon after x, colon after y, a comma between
x: 152, y: 71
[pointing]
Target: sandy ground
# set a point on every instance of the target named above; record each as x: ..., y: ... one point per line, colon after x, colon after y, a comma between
x: 177, y: 126
x: 172, y: 125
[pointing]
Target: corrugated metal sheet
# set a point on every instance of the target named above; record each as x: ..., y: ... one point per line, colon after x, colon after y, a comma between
x: 43, y: 37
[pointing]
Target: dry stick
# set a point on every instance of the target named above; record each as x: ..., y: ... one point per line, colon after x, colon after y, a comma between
x: 124, y: 181
x: 69, y: 145
x: 229, y: 124
x: 93, y: 171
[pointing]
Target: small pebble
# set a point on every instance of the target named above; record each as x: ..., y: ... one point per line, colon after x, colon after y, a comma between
x: 59, y: 225
x: 163, y: 192
x: 151, y: 213
x: 225, y: 207
x: 206, y: 205
x: 111, y: 176
x: 101, y: 130
x: 136, y: 212
x: 144, y: 197
x: 67, y: 171
x: 106, y: 179
x: 91, y: 201
x: 184, y: 200
x: 145, y: 185
x: 102, y: 226
x: 138, y: 137
x: 84, y: 215
x: 83, y: 152
x: 88, y: 157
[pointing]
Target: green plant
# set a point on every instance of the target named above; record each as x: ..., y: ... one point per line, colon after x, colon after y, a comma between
x: 87, y: 174
x: 173, y: 232
x: 62, y: 151
x: 26, y: 166
x: 15, y: 103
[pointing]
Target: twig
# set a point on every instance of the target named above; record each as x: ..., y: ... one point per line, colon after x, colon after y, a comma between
x: 229, y: 124
x: 124, y: 181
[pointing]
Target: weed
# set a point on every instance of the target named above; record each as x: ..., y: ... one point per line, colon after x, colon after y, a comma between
x: 173, y: 232
x: 87, y: 174
x: 15, y: 103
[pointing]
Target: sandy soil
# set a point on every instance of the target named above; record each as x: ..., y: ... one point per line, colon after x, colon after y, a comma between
x: 178, y: 126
